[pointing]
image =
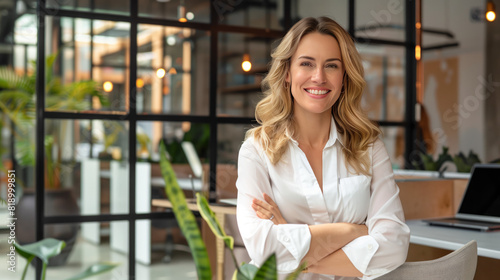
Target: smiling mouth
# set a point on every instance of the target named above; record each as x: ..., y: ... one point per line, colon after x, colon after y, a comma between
x: 317, y: 91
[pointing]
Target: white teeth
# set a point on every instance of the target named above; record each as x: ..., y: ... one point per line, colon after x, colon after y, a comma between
x: 317, y: 92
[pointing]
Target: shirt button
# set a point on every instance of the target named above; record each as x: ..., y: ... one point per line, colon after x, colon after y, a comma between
x: 370, y: 247
x: 286, y: 239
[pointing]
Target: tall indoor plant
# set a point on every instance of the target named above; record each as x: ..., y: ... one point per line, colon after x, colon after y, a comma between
x: 17, y: 107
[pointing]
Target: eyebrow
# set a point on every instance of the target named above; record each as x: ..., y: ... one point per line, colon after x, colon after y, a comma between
x: 312, y: 58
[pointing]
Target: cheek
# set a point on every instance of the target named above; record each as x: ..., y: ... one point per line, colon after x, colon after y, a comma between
x: 299, y: 77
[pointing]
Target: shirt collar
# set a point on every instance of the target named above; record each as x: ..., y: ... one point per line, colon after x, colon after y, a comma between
x: 334, y: 136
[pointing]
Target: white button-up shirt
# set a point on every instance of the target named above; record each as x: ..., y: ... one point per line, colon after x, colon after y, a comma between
x: 346, y: 197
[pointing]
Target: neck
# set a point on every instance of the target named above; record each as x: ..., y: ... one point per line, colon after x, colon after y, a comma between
x: 312, y: 130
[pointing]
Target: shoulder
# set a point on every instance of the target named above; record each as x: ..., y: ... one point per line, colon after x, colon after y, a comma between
x: 250, y: 144
x: 378, y: 144
x: 251, y: 148
x: 379, y: 152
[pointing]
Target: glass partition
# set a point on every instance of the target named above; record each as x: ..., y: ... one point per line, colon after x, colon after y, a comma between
x: 111, y: 7
x: 187, y: 146
x: 239, y: 87
x: 266, y: 14
x: 384, y: 96
x: 88, y: 68
x: 179, y: 10
x: 87, y: 157
x: 335, y: 9
x: 381, y: 19
x: 173, y: 67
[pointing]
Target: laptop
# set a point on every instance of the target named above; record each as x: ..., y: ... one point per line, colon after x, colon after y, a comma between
x: 480, y: 207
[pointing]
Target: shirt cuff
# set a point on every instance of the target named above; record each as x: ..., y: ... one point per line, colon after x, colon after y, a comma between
x: 296, y: 239
x: 360, y: 252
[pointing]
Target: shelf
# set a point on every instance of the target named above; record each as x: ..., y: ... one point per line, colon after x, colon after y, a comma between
x: 241, y: 89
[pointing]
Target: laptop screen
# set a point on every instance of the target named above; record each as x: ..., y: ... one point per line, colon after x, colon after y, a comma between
x: 482, y: 196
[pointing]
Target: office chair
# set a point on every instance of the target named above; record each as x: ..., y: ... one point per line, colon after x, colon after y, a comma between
x: 457, y: 265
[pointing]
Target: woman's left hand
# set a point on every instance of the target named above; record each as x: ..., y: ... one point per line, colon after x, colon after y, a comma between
x: 268, y: 210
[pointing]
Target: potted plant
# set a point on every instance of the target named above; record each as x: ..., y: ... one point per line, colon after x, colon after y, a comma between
x: 17, y: 107
x: 427, y: 162
x: 465, y: 163
x: 46, y: 249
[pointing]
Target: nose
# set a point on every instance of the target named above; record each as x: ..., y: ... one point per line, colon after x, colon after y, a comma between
x: 319, y: 75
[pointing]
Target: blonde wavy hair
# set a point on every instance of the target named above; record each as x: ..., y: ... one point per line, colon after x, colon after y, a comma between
x: 274, y: 112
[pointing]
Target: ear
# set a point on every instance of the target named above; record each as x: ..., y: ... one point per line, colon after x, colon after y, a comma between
x: 287, y: 78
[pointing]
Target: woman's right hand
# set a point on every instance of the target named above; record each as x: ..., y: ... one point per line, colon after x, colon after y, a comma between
x: 268, y: 209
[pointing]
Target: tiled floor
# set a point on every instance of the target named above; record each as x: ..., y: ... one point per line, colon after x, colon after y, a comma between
x: 85, y: 254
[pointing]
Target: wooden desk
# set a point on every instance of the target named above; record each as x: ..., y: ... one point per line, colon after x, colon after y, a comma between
x: 220, y: 212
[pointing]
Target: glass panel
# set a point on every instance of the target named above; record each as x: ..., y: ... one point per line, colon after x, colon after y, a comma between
x: 259, y: 14
x: 173, y: 66
x: 394, y: 140
x: 191, y: 10
x: 381, y: 19
x: 95, y: 81
x: 384, y: 95
x: 187, y: 145
x: 17, y: 110
x: 229, y: 140
x: 25, y: 31
x: 109, y: 7
x: 84, y: 158
x: 338, y: 10
x: 170, y: 255
x: 240, y: 90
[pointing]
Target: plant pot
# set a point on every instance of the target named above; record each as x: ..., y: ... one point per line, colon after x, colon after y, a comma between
x: 57, y: 202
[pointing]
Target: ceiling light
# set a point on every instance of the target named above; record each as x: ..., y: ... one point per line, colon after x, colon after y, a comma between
x: 246, y: 65
x: 171, y: 40
x: 160, y: 73
x: 490, y: 11
x: 418, y: 52
x: 139, y: 83
x: 107, y: 86
x: 181, y: 12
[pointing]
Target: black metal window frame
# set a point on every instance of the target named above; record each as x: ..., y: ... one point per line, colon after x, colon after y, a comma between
x: 132, y: 117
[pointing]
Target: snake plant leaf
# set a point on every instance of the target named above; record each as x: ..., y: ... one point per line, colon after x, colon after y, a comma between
x: 95, y: 270
x: 209, y: 216
x: 245, y: 272
x: 43, y: 249
x: 185, y: 218
x: 268, y: 270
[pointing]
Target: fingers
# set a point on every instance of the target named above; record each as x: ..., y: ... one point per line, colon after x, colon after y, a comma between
x: 269, y: 200
x: 259, y: 204
x: 260, y: 209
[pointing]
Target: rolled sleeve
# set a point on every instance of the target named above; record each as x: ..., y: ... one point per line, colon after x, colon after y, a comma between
x: 360, y: 252
x: 296, y: 239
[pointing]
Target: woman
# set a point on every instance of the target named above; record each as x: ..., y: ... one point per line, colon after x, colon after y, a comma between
x: 315, y: 183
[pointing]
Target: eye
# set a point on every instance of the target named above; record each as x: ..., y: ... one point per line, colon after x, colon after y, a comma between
x: 334, y: 66
x: 305, y: 63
